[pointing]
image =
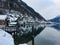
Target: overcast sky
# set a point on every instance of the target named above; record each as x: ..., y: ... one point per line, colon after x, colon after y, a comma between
x: 47, y: 8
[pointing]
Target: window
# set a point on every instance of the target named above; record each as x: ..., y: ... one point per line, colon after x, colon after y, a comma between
x: 22, y: 25
x: 3, y: 0
x: 19, y: 0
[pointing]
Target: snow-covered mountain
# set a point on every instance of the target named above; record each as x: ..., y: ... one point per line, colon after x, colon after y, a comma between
x: 56, y: 19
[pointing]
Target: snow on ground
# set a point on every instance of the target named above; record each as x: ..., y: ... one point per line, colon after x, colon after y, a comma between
x: 5, y: 38
x: 3, y: 17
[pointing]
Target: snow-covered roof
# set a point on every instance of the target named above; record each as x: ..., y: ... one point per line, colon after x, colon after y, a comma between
x: 13, y: 19
x: 13, y: 23
x: 3, y: 17
x: 23, y: 44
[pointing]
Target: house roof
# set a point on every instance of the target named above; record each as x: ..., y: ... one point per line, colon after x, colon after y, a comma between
x: 3, y: 17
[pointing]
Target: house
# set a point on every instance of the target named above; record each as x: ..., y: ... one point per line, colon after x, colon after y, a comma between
x: 3, y: 21
x: 11, y: 22
x: 23, y: 44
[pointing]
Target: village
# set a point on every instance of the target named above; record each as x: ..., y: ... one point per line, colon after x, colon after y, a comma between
x: 20, y: 21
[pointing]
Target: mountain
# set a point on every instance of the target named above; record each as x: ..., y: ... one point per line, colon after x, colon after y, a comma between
x: 18, y: 6
x: 56, y: 19
x: 27, y: 22
x: 29, y: 9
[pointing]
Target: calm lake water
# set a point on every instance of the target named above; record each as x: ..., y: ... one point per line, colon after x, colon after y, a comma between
x: 49, y: 36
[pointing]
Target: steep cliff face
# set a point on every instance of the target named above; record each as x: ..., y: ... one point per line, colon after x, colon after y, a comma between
x: 19, y: 5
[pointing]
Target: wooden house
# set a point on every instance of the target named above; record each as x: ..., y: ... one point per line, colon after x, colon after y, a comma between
x: 3, y: 21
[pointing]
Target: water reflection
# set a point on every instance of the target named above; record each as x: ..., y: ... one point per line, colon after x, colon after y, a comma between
x: 49, y: 36
x: 57, y: 26
x: 27, y: 37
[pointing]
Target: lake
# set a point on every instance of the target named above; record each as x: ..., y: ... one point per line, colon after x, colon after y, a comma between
x: 49, y: 36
